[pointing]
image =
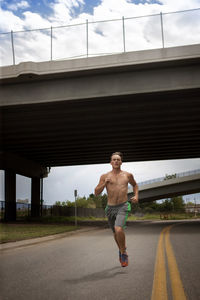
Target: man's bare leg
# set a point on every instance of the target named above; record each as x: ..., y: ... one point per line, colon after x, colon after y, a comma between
x: 115, y: 237
x: 120, y: 239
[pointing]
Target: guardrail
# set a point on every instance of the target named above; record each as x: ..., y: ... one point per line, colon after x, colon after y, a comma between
x: 176, y: 175
x: 94, y: 38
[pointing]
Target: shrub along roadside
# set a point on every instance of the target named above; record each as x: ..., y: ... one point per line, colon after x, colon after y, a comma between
x: 163, y: 216
x: 60, y: 219
x: 133, y: 217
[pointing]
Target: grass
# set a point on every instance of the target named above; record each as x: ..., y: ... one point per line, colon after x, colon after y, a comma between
x: 16, y: 232
x: 48, y: 225
x: 60, y: 219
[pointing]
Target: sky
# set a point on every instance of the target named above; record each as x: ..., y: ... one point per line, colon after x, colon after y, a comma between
x: 62, y: 181
x: 103, y: 37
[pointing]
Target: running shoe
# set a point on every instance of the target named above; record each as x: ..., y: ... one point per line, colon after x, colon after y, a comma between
x: 120, y: 256
x: 124, y: 260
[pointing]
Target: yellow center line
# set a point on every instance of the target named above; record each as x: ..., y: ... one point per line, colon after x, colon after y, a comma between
x: 159, y: 291
x: 176, y: 283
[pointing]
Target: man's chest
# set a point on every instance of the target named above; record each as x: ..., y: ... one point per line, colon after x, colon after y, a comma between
x: 121, y: 180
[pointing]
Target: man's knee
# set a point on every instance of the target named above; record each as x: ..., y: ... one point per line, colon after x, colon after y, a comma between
x: 118, y: 229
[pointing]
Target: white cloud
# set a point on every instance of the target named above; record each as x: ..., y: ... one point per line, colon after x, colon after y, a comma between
x: 172, y: 5
x: 63, y: 11
x: 18, y: 5
x: 104, y: 37
x: 34, y: 21
x: 9, y: 21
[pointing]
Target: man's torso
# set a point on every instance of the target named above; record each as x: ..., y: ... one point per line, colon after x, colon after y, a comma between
x: 117, y: 187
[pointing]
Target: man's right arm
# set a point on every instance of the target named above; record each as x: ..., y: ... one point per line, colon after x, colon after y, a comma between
x: 101, y: 185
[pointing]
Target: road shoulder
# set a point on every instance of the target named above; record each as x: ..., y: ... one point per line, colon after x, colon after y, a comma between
x: 34, y: 241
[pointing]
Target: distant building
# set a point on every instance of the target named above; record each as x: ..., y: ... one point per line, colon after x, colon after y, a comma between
x: 24, y: 201
x: 192, y: 208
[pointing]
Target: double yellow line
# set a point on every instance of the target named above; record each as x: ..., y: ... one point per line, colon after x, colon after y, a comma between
x: 159, y: 291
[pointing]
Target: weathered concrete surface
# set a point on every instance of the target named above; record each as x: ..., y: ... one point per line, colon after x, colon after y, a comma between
x: 145, y: 104
x: 21, y: 165
x: 131, y: 73
x: 75, y: 66
x: 169, y: 188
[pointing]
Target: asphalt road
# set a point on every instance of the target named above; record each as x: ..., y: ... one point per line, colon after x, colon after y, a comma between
x: 86, y: 265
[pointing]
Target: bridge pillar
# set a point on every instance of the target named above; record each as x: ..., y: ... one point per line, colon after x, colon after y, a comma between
x: 14, y: 164
x: 10, y: 195
x: 35, y: 197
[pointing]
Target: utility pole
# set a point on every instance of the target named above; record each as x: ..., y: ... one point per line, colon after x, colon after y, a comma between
x: 75, y: 195
x: 195, y: 208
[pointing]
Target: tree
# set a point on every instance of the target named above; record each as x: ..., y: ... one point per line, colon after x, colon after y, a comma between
x: 151, y: 206
x: 57, y: 203
x: 70, y: 204
x: 81, y: 202
x: 104, y: 200
x: 178, y: 203
x: 99, y: 201
x: 166, y: 206
x: 92, y: 201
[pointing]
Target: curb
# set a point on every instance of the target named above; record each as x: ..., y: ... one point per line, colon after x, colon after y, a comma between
x: 34, y: 241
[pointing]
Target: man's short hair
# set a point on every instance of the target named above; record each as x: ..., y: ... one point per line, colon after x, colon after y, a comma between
x: 117, y: 153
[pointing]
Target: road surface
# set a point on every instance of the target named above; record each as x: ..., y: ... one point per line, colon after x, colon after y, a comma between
x: 86, y: 266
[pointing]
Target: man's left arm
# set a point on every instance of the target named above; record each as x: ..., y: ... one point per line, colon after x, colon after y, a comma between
x: 132, y: 181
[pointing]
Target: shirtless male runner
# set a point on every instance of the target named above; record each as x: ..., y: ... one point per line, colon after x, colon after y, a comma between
x: 116, y: 183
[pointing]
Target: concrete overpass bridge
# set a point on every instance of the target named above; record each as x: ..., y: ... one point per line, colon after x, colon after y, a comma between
x: 182, y: 184
x: 61, y: 113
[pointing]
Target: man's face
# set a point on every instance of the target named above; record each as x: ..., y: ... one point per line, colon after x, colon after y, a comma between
x: 116, y: 161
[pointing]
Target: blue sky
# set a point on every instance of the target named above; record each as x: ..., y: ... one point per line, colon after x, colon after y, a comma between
x: 58, y: 12
x: 44, y: 8
x: 16, y: 15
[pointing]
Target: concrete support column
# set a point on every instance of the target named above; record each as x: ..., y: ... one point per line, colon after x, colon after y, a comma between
x: 35, y: 197
x: 10, y: 195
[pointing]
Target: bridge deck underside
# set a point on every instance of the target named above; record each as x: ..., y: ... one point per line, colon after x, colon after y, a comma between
x: 154, y: 126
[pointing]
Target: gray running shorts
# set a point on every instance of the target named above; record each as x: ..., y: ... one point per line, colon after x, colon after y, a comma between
x: 117, y: 214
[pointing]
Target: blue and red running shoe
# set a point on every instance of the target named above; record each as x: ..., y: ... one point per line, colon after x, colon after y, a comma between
x: 120, y: 256
x: 124, y: 260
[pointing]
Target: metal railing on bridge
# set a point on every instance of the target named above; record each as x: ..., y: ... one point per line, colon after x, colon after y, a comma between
x: 176, y: 175
x: 94, y: 38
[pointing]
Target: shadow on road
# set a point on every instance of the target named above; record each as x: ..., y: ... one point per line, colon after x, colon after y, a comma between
x: 102, y: 275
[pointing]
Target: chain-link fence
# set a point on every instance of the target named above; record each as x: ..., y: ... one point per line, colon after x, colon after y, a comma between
x: 24, y: 210
x: 93, y: 38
